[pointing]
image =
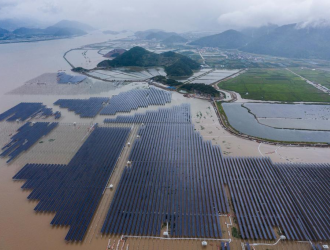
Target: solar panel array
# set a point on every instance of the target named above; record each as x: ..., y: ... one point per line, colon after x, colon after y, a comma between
x: 57, y: 115
x: 27, y: 135
x: 309, y: 188
x: 176, y: 114
x: 74, y: 191
x: 170, y: 162
x: 25, y: 110
x: 259, y: 199
x: 317, y: 247
x: 87, y: 108
x: 176, y: 178
x: 173, y: 179
x: 225, y: 245
x: 291, y: 197
x: 63, y: 78
x: 136, y: 98
x: 124, y: 102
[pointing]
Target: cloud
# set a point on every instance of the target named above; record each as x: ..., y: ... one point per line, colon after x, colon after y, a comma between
x: 279, y: 12
x: 176, y: 15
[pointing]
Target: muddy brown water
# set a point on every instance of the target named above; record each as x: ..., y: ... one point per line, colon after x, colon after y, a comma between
x: 21, y: 227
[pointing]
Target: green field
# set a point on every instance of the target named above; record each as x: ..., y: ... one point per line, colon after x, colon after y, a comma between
x: 317, y: 76
x: 274, y: 85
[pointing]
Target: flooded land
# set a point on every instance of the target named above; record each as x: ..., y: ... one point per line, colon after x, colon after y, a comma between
x: 28, y: 74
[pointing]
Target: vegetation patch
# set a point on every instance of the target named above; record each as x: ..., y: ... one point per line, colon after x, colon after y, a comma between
x: 316, y: 76
x: 235, y: 233
x: 166, y: 81
x: 79, y: 69
x: 200, y: 88
x: 274, y: 85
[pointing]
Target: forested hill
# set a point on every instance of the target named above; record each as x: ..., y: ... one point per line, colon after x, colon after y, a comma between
x: 137, y: 56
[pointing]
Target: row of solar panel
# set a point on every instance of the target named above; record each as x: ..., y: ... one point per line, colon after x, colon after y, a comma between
x: 73, y: 191
x: 172, y: 180
x: 176, y: 114
x: 308, y: 186
x: 290, y: 197
x: 84, y: 107
x: 24, y: 110
x: 134, y: 99
x: 27, y: 135
x: 265, y: 196
x: 124, y: 102
x: 177, y: 178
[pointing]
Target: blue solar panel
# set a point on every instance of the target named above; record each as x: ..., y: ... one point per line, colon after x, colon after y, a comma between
x: 124, y: 102
x: 87, y: 108
x: 177, y: 178
x: 176, y: 114
x: 24, y: 110
x: 291, y: 197
x: 173, y: 179
x: 74, y: 191
x: 26, y: 137
x: 137, y: 98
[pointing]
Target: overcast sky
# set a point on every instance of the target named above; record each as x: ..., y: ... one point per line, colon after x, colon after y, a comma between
x: 171, y: 15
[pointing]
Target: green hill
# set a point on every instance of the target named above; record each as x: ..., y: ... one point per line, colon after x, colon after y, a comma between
x: 175, y: 64
x: 230, y: 39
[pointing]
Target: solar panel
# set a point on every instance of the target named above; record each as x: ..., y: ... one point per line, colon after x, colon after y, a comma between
x: 176, y: 114
x: 87, y: 108
x: 172, y: 164
x: 24, y: 111
x: 137, y: 98
x: 25, y: 138
x: 74, y: 191
x: 172, y: 180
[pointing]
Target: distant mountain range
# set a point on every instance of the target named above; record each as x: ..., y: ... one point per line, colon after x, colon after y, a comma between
x: 53, y: 31
x: 230, y: 39
x: 3, y: 32
x: 68, y: 24
x: 11, y: 24
x: 174, y: 39
x: 292, y: 41
x: 161, y: 36
x: 111, y: 32
x: 175, y: 64
x: 144, y: 34
x: 63, y: 28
